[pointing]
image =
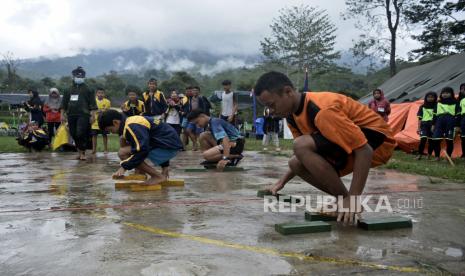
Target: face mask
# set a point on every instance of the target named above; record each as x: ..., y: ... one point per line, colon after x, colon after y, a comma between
x: 78, y: 80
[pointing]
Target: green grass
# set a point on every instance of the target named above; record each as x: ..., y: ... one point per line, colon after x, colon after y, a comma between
x: 9, y: 144
x: 7, y: 119
x: 404, y: 162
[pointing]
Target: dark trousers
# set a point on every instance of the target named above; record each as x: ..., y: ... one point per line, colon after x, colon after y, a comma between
x: 437, y: 147
x: 176, y: 127
x: 51, y: 128
x: 79, y: 128
x: 421, y: 148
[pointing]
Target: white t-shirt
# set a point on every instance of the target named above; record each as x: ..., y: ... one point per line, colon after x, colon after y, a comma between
x: 227, y: 104
x: 173, y: 117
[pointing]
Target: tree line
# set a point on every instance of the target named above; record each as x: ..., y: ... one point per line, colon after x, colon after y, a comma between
x: 302, y: 39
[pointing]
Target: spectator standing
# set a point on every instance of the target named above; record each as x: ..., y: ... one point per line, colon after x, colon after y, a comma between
x: 133, y: 106
x: 379, y: 104
x: 271, y: 130
x: 52, y: 112
x: 173, y: 115
x: 154, y: 101
x: 228, y: 103
x: 461, y: 103
x: 102, y: 104
x: 79, y: 107
x: 34, y: 105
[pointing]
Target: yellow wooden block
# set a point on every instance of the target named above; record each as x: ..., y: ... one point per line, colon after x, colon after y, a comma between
x: 173, y: 182
x: 123, y: 185
x: 142, y: 188
x: 126, y: 184
x: 141, y: 177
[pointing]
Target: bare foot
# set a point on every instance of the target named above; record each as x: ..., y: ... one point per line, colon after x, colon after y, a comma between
x: 165, y: 172
x: 154, y: 180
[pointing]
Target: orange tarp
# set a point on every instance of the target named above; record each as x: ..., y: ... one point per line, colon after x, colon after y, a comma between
x: 404, y: 123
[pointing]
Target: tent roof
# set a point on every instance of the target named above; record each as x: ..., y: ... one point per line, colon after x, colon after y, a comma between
x: 413, y: 83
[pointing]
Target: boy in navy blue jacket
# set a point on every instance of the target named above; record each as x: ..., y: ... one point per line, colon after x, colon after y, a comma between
x: 142, y: 137
x: 425, y: 123
x: 445, y: 122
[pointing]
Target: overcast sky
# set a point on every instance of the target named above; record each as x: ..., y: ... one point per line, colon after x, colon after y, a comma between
x: 64, y: 27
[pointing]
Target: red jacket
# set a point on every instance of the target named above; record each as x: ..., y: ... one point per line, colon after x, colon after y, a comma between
x: 381, y: 106
x: 51, y: 116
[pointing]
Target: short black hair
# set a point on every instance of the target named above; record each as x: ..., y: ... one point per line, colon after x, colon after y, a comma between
x: 188, y: 87
x: 461, y: 85
x: 79, y: 72
x: 196, y: 87
x: 153, y: 80
x: 106, y: 118
x: 272, y: 82
x: 194, y: 114
x: 447, y: 89
x: 100, y: 89
x: 226, y: 82
x: 132, y: 88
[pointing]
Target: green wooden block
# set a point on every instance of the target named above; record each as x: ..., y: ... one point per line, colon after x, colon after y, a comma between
x: 386, y: 223
x: 302, y: 227
x: 263, y: 193
x: 284, y: 198
x: 226, y: 169
x: 195, y: 170
x: 233, y: 169
x: 318, y: 217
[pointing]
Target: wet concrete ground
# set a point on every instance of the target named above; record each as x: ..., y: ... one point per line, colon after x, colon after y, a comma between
x: 59, y: 216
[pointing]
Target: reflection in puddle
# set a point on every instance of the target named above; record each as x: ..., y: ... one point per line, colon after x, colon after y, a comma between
x: 449, y: 251
x: 372, y: 253
x: 174, y: 267
x: 454, y: 252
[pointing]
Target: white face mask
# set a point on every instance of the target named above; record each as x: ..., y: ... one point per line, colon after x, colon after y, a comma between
x: 78, y: 80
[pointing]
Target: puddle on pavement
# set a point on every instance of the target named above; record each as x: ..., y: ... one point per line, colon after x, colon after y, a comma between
x: 44, y: 182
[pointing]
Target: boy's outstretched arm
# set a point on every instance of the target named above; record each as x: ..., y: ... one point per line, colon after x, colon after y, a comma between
x: 226, y: 150
x: 282, y: 182
x: 362, y: 163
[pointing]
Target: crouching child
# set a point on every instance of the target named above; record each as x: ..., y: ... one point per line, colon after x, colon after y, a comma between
x: 142, y: 137
x: 333, y: 136
x: 33, y: 137
x: 221, y: 143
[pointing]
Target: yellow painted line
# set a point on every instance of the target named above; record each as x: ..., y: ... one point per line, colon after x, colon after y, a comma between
x: 269, y: 251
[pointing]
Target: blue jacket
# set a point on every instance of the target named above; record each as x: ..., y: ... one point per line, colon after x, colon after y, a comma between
x: 145, y: 133
x: 156, y: 104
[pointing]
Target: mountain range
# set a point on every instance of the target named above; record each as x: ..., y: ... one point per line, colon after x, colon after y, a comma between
x: 136, y: 60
